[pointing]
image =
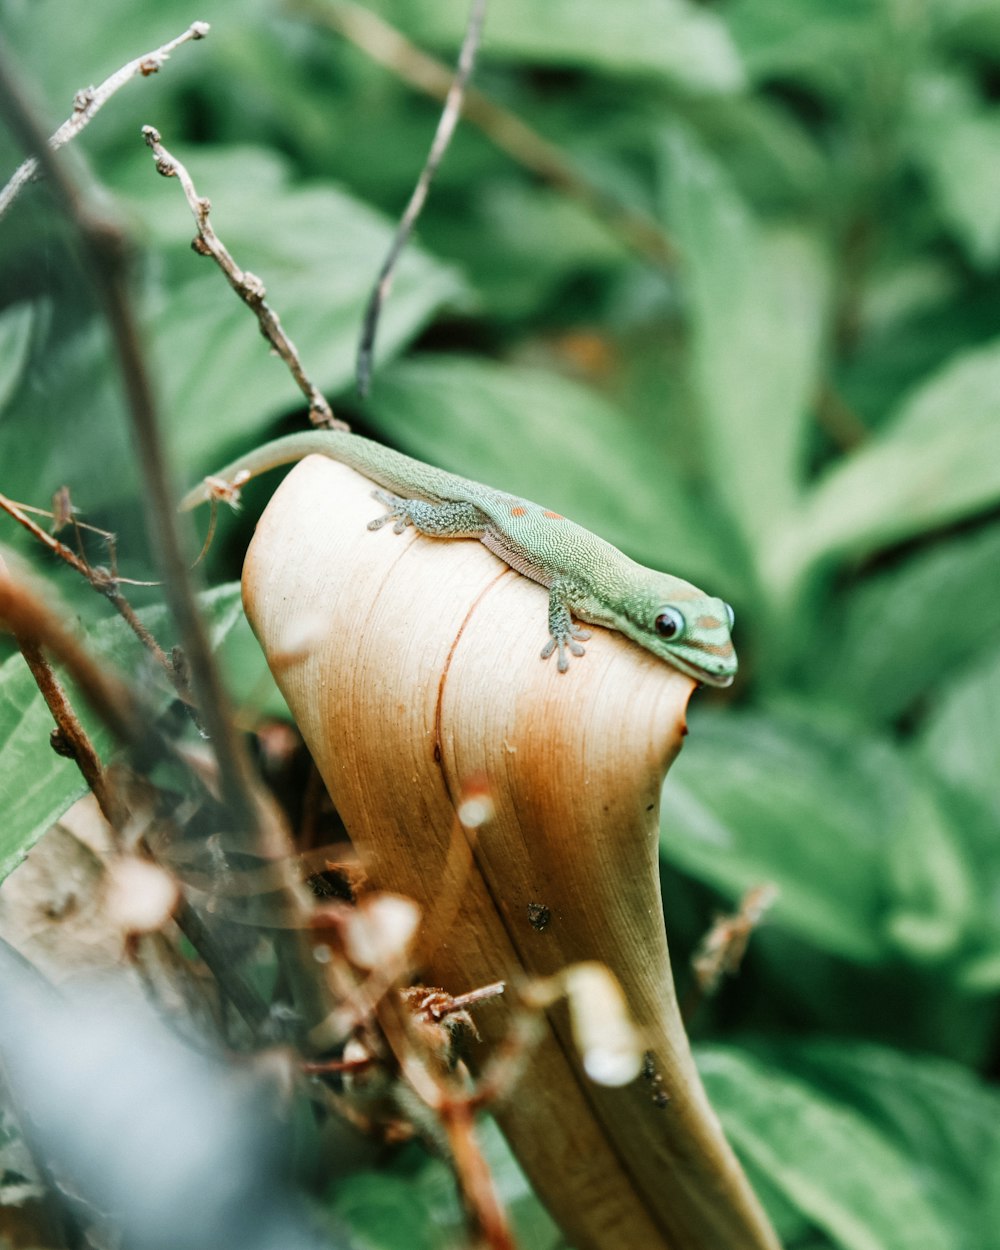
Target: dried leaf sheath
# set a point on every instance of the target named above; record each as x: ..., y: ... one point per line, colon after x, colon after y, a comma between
x: 412, y: 667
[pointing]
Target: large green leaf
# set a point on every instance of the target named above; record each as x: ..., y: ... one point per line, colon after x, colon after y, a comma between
x: 956, y: 142
x: 845, y: 1175
x: 936, y: 1115
x: 36, y: 785
x: 541, y: 436
x: 756, y: 301
x: 936, y: 461
x: 756, y: 798
x: 961, y: 739
x: 673, y: 39
x: 864, y: 852
x: 811, y: 41
x: 899, y: 635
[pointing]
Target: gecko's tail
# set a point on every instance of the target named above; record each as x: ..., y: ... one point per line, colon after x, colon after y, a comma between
x: 224, y: 486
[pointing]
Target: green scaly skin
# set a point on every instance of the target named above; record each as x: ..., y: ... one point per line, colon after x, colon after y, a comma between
x: 586, y: 577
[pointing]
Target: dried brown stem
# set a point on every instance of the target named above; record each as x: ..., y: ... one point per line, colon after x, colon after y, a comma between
x: 33, y: 623
x: 723, y: 947
x: 247, y: 285
x: 455, y: 1112
x: 88, y: 102
x: 442, y: 138
x: 388, y: 46
x: 73, y: 739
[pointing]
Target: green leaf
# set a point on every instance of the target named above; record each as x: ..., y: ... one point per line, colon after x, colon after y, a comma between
x: 931, y: 906
x: 956, y: 143
x: 902, y: 633
x: 935, y: 462
x: 756, y: 301
x: 543, y: 437
x: 843, y: 1174
x: 409, y: 1211
x: 384, y: 1212
x: 754, y: 798
x: 825, y: 46
x: 16, y: 324
x: 36, y: 785
x: 672, y: 39
x: 961, y: 738
x: 867, y: 856
x: 934, y: 1113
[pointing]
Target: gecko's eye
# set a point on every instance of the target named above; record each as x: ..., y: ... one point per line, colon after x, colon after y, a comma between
x: 730, y: 615
x: 669, y: 624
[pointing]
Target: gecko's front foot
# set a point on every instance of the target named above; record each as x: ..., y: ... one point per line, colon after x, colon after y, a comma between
x: 399, y: 512
x: 563, y: 642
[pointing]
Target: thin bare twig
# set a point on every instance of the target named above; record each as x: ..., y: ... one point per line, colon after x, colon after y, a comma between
x: 388, y: 46
x: 247, y: 285
x: 442, y: 138
x: 88, y: 102
x: 100, y: 579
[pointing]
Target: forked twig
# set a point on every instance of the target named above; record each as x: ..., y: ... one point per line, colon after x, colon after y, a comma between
x: 247, y: 285
x: 103, y: 582
x: 442, y: 138
x: 90, y: 100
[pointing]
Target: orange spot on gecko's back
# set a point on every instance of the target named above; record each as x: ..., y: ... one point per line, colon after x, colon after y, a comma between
x: 708, y: 622
x: 518, y: 511
x: 553, y: 516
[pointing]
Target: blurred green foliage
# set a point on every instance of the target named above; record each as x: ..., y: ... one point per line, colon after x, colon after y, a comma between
x: 802, y: 413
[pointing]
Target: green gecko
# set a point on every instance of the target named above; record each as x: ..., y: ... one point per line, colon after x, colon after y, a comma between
x: 586, y: 577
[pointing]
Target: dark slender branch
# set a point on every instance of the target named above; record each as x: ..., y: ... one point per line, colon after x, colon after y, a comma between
x: 247, y: 285
x: 442, y: 138
x: 90, y: 100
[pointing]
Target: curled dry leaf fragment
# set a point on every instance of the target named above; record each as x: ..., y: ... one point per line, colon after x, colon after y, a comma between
x: 379, y: 932
x: 140, y: 896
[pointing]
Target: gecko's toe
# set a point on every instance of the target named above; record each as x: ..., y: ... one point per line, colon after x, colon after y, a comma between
x: 575, y: 647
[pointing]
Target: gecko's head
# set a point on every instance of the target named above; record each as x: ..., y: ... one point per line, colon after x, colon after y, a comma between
x: 682, y: 625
